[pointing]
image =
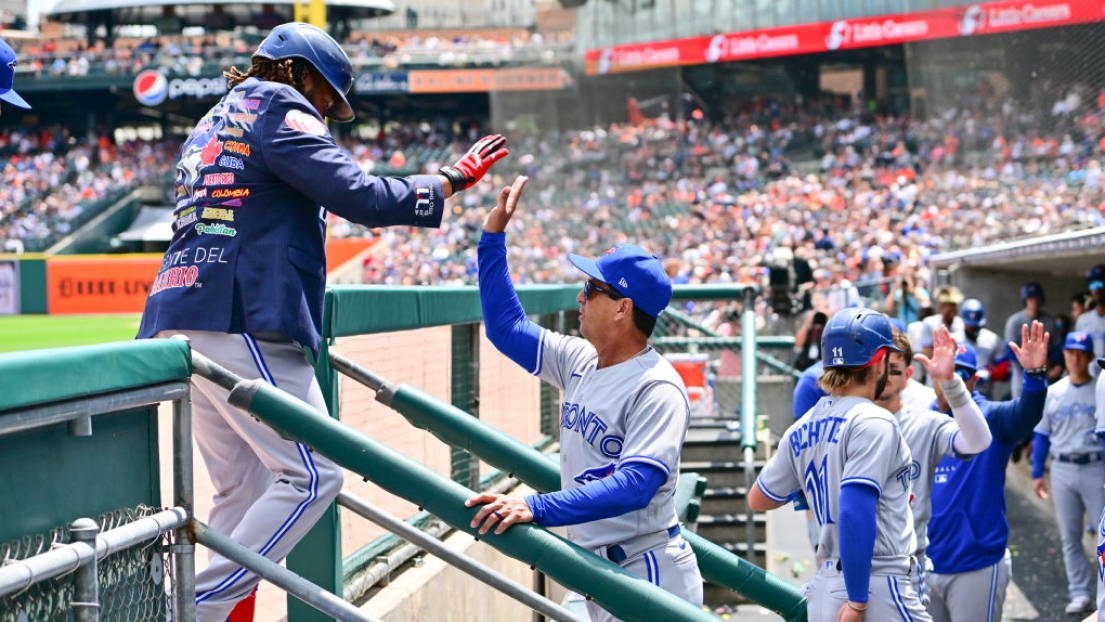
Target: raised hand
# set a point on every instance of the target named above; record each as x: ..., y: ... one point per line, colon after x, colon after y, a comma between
x: 1032, y: 353
x: 944, y: 348
x: 504, y: 207
x: 474, y: 164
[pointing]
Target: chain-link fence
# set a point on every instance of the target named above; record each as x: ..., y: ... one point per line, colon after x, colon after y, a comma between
x: 133, y: 583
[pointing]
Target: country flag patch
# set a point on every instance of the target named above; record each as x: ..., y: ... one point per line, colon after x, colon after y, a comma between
x: 302, y: 122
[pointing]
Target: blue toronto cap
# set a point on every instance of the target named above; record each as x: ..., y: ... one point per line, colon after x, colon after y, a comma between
x: 7, y: 77
x: 965, y: 358
x: 636, y: 273
x: 1078, y: 340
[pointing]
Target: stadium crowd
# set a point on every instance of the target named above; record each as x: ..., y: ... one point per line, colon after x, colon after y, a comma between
x: 189, y: 56
x: 858, y: 196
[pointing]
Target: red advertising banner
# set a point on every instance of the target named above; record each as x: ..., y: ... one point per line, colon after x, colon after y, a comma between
x: 845, y: 34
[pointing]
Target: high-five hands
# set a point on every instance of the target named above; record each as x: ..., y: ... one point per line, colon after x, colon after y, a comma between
x: 474, y: 164
x: 505, y: 205
x: 944, y: 348
x: 1032, y: 353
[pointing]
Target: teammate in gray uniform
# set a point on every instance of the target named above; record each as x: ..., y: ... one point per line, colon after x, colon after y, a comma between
x: 1099, y: 429
x: 623, y: 417
x: 929, y: 434
x: 1093, y: 320
x: 1077, y: 468
x: 849, y: 458
x: 989, y: 348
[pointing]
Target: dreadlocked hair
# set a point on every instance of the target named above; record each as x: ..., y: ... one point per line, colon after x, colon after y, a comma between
x: 290, y: 71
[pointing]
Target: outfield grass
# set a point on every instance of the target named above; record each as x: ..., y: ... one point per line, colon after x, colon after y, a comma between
x: 31, y: 332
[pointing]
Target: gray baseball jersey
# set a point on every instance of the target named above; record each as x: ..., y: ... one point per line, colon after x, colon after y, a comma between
x: 840, y: 441
x: 1094, y: 324
x: 636, y: 411
x: 1099, y: 402
x: 929, y: 435
x: 932, y: 322
x: 987, y: 347
x: 1068, y: 420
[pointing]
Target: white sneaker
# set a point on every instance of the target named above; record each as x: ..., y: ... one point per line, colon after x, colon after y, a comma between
x: 1079, y: 604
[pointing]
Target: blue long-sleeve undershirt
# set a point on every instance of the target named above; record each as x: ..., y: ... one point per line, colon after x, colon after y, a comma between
x: 631, y: 487
x: 856, y: 530
x: 1012, y: 422
x: 1041, y: 443
x: 508, y: 328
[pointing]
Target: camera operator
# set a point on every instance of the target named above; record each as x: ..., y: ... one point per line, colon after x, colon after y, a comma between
x: 906, y: 298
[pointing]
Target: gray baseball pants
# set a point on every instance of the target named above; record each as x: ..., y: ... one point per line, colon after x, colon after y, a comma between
x: 975, y: 596
x: 1078, y: 491
x: 269, y: 491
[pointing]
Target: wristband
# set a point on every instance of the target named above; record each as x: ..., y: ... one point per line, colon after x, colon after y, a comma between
x: 855, y: 608
x: 1037, y: 371
x: 955, y: 392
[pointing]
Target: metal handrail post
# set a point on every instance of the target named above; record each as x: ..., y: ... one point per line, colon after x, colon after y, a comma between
x: 435, y: 547
x: 86, y: 584
x: 18, y: 575
x: 183, y: 549
x: 748, y: 404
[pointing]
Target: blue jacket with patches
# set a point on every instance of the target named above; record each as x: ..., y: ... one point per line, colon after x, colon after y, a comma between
x: 254, y: 181
x: 968, y: 530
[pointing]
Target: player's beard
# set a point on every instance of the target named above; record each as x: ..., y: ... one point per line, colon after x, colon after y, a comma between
x: 880, y: 384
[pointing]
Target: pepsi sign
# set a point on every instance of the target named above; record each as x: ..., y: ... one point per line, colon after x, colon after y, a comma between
x: 150, y: 88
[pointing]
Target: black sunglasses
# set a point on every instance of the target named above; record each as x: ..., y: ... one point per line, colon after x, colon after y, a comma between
x: 965, y: 374
x: 591, y: 286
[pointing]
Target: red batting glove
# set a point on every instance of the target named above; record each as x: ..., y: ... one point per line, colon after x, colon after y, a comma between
x: 474, y: 165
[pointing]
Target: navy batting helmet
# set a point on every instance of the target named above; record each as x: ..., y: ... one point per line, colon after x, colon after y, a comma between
x: 1097, y: 273
x: 1032, y: 289
x: 299, y: 40
x: 972, y: 313
x: 853, y: 337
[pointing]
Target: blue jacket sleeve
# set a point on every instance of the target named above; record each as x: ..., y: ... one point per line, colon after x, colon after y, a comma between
x: 300, y: 151
x: 806, y: 394
x: 630, y: 488
x: 1040, y: 446
x: 505, y: 320
x: 857, y: 538
x: 1012, y: 422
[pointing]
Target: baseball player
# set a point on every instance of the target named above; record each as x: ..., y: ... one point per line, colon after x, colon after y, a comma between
x: 1033, y: 299
x: 623, y: 418
x: 1077, y: 468
x: 1093, y: 320
x: 931, y: 435
x: 968, y: 532
x: 850, y: 460
x: 1099, y: 429
x: 7, y: 77
x: 987, y: 345
x: 245, y: 273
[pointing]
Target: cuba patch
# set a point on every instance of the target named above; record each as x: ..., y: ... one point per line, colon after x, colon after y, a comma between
x: 302, y: 122
x: 231, y: 162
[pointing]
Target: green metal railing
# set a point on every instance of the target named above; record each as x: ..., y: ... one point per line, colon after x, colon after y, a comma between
x: 362, y: 310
